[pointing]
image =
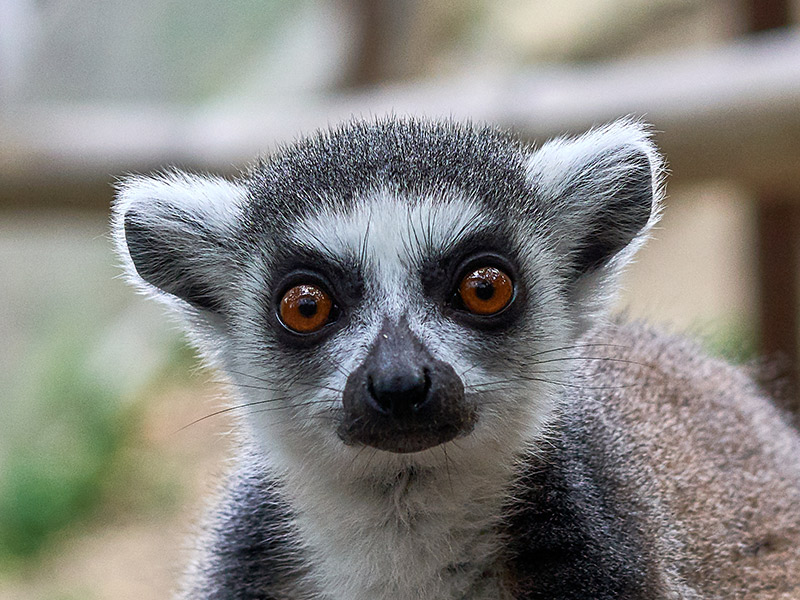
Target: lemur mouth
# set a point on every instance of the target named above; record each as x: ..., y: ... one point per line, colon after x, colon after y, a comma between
x: 402, y: 439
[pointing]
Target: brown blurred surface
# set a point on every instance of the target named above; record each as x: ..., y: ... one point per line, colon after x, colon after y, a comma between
x: 133, y: 556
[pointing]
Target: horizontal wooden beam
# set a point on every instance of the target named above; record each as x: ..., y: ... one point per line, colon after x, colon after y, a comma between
x: 726, y: 112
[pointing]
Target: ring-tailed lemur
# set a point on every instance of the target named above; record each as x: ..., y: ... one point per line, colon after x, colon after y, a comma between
x: 432, y: 404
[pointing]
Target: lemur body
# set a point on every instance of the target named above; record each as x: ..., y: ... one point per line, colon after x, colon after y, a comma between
x: 432, y: 403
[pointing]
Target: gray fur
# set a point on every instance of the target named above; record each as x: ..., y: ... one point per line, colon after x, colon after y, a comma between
x: 589, y: 459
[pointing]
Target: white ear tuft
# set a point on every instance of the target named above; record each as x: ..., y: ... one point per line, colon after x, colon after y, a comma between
x: 599, y: 195
x: 174, y: 233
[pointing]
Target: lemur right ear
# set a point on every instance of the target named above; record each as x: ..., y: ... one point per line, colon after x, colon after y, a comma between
x: 598, y: 195
x: 173, y: 233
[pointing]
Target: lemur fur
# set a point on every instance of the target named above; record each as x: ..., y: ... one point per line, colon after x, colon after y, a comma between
x: 433, y: 404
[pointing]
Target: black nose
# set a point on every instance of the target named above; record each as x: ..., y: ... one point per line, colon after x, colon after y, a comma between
x: 401, y: 398
x: 399, y: 392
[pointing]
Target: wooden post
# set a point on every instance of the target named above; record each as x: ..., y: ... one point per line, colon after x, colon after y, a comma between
x: 778, y: 229
x: 383, y: 49
x: 768, y: 14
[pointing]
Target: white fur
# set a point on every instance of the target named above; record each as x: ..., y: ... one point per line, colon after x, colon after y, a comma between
x: 393, y: 234
x: 213, y: 201
x: 556, y: 167
x: 218, y: 200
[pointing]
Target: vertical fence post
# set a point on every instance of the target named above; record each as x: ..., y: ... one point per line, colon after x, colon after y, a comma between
x: 778, y: 230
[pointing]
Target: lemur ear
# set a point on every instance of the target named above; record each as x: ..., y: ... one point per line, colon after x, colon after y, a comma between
x: 601, y: 191
x: 173, y: 233
x: 599, y: 194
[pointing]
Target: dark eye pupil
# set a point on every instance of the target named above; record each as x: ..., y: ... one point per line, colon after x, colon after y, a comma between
x: 484, y: 289
x: 307, y: 307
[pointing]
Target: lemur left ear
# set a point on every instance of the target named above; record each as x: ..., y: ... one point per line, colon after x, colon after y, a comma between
x: 174, y: 233
x: 598, y: 195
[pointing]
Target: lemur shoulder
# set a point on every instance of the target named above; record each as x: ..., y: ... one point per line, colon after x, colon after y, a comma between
x: 432, y: 401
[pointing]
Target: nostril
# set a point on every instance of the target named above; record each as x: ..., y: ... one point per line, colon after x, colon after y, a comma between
x: 422, y: 397
x: 379, y: 400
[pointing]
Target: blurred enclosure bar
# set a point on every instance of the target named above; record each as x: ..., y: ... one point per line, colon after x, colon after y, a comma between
x: 778, y: 225
x: 730, y: 111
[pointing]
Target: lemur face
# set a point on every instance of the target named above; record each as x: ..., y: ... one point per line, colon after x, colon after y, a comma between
x: 405, y: 317
x: 397, y: 285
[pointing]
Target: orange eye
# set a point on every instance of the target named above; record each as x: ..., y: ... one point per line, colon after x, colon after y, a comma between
x: 486, y: 291
x: 305, y: 308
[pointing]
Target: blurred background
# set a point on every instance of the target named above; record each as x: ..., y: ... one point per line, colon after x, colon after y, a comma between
x: 100, y: 479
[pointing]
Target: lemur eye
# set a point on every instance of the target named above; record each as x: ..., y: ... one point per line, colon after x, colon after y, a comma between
x: 305, y: 308
x: 486, y: 291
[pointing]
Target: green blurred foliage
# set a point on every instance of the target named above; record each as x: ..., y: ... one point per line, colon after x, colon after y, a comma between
x: 71, y: 442
x: 732, y: 340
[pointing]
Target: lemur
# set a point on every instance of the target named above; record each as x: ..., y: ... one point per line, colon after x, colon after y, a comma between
x: 433, y: 402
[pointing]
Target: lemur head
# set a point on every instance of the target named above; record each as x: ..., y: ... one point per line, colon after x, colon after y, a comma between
x: 398, y: 284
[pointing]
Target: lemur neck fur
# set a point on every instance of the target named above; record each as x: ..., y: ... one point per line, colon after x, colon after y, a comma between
x: 419, y: 531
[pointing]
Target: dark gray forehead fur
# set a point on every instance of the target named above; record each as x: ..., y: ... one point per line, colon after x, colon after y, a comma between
x: 410, y: 156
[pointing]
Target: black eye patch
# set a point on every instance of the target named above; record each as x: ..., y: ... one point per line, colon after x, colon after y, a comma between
x: 344, y: 275
x: 442, y: 275
x: 298, y: 266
